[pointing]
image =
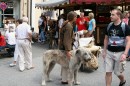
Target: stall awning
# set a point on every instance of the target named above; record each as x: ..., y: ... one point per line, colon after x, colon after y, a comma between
x: 95, y: 1
x: 127, y: 0
x: 51, y: 4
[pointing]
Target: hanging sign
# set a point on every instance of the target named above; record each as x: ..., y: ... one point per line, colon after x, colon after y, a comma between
x: 3, y: 6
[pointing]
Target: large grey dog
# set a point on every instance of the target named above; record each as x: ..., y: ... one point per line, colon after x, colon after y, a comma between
x: 51, y: 57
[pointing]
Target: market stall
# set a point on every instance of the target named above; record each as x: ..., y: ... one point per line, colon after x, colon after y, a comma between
x: 51, y: 4
x: 101, y: 9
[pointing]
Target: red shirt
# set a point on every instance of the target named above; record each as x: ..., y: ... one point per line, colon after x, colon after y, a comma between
x: 2, y: 41
x: 81, y: 23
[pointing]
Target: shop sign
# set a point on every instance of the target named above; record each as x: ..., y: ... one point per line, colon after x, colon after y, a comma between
x: 3, y: 6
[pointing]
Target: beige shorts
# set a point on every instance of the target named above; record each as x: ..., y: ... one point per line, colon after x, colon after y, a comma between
x: 112, y: 62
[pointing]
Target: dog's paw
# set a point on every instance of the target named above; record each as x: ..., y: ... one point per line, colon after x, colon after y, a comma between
x: 77, y: 83
x: 49, y: 80
x: 43, y: 83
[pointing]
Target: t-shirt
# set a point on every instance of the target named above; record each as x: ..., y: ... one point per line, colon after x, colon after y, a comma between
x: 116, y: 32
x: 82, y: 23
x: 23, y: 30
x: 61, y: 21
x: 91, y: 24
x: 40, y: 21
x: 10, y: 36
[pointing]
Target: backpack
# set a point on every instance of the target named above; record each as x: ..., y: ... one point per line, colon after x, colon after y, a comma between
x: 122, y: 26
x: 116, y: 40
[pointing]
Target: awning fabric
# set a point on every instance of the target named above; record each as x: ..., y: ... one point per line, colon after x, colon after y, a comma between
x: 127, y: 0
x: 95, y: 1
x: 51, y: 4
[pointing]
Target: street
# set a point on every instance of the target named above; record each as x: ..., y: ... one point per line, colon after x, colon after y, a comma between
x: 11, y: 76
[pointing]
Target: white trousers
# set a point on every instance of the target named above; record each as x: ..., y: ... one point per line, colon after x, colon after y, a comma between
x: 25, y: 54
x: 16, y: 52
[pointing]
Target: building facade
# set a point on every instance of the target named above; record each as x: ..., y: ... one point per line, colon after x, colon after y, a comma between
x: 16, y: 9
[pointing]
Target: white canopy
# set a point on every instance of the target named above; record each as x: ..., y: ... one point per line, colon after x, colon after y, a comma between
x: 51, y: 3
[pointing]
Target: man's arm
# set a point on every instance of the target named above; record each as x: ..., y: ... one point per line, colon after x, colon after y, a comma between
x: 105, y: 46
x: 127, y: 45
x: 30, y: 36
x: 124, y: 55
x: 29, y: 33
x: 105, y: 42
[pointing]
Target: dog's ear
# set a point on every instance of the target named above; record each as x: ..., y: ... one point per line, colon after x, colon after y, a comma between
x: 78, y: 53
x: 91, y: 54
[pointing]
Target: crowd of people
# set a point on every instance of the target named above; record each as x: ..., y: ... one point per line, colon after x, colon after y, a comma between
x: 116, y: 42
x: 18, y: 37
x: 84, y: 25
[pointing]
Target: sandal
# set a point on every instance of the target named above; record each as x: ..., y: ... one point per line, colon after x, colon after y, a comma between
x: 128, y: 59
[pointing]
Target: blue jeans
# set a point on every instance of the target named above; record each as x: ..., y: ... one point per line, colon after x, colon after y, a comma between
x: 2, y: 47
x: 42, y: 36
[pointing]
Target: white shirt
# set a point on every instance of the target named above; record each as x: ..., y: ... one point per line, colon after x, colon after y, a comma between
x: 10, y: 36
x: 60, y: 22
x: 23, y: 30
x: 40, y: 21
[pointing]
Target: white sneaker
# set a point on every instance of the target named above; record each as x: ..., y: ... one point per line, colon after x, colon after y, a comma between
x: 21, y: 70
x: 12, y: 64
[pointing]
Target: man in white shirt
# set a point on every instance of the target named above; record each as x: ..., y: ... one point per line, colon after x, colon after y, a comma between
x: 24, y: 36
x: 10, y: 36
x: 61, y: 21
x: 11, y: 40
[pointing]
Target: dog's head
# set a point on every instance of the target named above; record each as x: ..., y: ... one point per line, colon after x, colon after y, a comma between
x: 92, y: 64
x: 83, y: 54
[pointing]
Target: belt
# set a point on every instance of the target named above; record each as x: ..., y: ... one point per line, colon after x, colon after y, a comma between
x: 115, y: 52
x: 22, y: 38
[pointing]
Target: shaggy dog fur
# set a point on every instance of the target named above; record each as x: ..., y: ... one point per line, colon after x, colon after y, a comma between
x: 93, y: 63
x: 90, y: 65
x: 51, y: 57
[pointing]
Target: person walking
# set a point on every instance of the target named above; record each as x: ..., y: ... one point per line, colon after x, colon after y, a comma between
x: 16, y: 52
x: 67, y: 37
x: 24, y: 37
x: 43, y: 29
x: 115, y: 50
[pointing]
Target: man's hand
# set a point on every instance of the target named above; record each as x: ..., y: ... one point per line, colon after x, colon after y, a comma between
x: 68, y: 54
x: 104, y: 54
x: 123, y: 57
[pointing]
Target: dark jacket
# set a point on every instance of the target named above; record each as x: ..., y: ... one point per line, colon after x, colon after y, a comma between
x: 67, y: 37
